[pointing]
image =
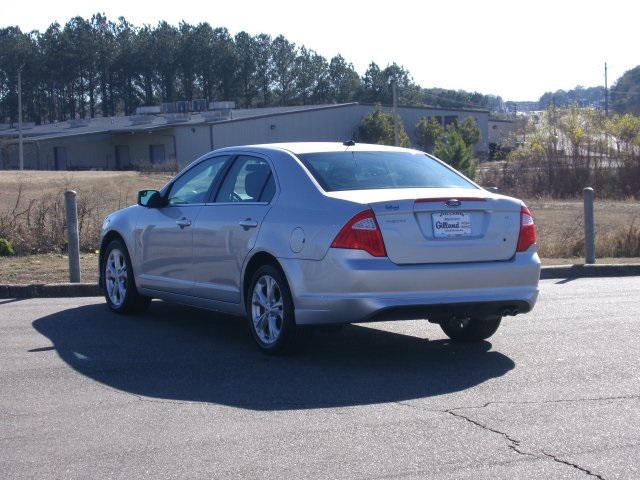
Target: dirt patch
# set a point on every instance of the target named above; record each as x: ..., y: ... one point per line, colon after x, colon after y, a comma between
x: 46, y: 268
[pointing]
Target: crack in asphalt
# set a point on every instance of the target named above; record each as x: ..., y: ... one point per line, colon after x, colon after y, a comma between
x: 542, y: 402
x: 574, y: 465
x: 515, y: 445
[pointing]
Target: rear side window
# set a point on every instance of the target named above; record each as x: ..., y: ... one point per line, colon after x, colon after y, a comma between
x: 336, y: 171
x: 249, y: 180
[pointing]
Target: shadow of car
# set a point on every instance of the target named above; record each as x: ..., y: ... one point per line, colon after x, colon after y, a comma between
x: 180, y: 353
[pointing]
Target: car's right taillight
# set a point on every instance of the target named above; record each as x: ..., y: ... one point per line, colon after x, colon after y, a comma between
x: 362, y: 233
x: 528, y: 235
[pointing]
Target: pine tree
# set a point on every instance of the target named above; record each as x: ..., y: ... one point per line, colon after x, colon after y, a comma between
x: 452, y: 149
x: 378, y: 127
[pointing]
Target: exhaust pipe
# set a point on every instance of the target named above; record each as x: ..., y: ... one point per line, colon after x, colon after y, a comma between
x: 510, y: 312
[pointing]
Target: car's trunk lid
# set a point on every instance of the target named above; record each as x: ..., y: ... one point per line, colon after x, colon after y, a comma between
x: 443, y: 225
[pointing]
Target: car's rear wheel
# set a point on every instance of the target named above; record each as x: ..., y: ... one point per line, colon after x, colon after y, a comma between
x: 119, y: 285
x: 472, y: 329
x: 270, y: 310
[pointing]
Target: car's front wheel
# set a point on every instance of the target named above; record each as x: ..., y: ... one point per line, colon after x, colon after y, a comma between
x: 270, y: 310
x: 119, y: 285
x: 472, y: 329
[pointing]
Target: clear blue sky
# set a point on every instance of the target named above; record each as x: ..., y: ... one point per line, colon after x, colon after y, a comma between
x: 514, y: 48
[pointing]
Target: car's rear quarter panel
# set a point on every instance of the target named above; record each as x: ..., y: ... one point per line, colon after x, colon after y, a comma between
x: 301, y: 205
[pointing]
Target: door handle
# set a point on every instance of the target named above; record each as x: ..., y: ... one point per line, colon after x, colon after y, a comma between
x: 248, y: 223
x: 183, y: 222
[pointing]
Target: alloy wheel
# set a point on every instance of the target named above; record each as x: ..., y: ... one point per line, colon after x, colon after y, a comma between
x: 116, y: 277
x: 267, y: 309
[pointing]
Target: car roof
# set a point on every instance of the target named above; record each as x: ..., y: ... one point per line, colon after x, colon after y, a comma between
x: 316, y: 147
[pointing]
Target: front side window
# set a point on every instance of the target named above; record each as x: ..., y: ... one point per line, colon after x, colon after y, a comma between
x: 193, y: 186
x: 249, y: 180
x: 336, y: 171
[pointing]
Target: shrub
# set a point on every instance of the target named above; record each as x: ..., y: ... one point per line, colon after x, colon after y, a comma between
x: 39, y: 225
x: 6, y: 248
x: 451, y: 148
x: 568, y: 150
x: 428, y: 131
x: 145, y: 166
x: 378, y: 127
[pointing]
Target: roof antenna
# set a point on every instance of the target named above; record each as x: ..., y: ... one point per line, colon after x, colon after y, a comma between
x: 349, y: 143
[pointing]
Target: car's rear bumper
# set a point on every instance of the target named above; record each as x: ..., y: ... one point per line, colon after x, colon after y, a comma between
x: 351, y: 286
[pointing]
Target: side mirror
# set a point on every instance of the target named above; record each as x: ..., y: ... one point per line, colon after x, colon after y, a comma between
x: 150, y: 199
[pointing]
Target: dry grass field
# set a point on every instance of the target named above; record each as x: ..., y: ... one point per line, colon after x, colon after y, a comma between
x: 561, y: 228
x: 35, y: 223
x: 32, y: 205
x: 119, y: 188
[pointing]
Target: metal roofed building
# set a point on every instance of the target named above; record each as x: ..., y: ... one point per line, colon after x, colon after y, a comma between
x: 128, y: 142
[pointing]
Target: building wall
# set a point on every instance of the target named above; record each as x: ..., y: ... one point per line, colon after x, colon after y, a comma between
x: 192, y: 141
x: 327, y: 125
x: 411, y: 116
x: 87, y: 151
x: 502, y: 132
x: 139, y: 144
x: 185, y: 143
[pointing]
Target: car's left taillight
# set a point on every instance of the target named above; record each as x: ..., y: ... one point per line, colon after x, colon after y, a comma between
x: 528, y: 235
x: 362, y: 233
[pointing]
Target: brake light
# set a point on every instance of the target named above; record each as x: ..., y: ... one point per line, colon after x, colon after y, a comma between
x: 528, y: 235
x: 362, y: 233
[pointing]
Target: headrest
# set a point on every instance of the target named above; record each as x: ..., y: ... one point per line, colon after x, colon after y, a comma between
x: 254, y: 180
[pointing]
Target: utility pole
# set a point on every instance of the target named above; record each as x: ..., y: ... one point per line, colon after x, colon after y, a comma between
x: 20, y: 151
x: 396, y: 127
x: 606, y: 92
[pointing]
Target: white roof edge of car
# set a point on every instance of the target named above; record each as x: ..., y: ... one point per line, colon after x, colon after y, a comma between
x: 317, y: 147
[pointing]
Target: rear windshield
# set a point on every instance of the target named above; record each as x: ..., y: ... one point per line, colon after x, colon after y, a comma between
x: 337, y: 171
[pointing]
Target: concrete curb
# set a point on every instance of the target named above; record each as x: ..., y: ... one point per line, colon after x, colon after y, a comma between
x: 52, y: 290
x: 590, y: 271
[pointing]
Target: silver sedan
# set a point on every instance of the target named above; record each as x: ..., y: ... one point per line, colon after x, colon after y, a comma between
x: 300, y: 234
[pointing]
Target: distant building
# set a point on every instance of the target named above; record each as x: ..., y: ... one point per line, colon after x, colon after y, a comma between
x: 152, y: 137
x: 502, y: 132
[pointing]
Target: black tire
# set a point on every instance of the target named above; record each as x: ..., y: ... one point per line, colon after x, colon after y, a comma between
x: 474, y: 330
x: 131, y: 301
x: 288, y: 333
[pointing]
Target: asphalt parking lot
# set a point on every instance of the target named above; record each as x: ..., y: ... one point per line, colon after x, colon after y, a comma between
x: 180, y: 393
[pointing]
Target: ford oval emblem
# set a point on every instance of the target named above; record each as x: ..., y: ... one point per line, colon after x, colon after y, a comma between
x: 453, y: 203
